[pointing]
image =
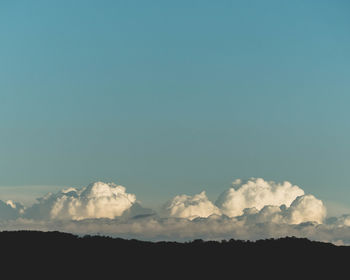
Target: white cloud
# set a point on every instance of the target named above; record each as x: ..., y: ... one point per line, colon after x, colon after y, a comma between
x: 252, y: 210
x: 303, y: 209
x: 257, y: 193
x: 185, y: 206
x: 306, y: 208
x: 98, y: 200
x: 255, y: 200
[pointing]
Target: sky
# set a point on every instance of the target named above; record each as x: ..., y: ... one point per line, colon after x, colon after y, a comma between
x: 174, y: 97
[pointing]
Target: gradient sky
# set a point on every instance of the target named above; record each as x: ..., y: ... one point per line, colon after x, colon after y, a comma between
x: 171, y: 97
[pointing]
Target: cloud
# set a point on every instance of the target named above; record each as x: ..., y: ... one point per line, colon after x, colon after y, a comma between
x: 254, y: 200
x: 256, y: 193
x: 10, y: 210
x: 253, y: 209
x: 185, y: 206
x: 342, y: 221
x: 26, y: 194
x: 214, y: 227
x: 305, y: 208
x: 98, y: 200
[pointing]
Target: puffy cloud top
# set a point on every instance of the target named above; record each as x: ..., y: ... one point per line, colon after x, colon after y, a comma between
x: 98, y: 200
x: 185, y: 206
x: 306, y: 208
x: 253, y: 209
x: 250, y: 210
x: 257, y: 193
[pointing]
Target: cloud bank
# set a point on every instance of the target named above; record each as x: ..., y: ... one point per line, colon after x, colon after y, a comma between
x: 249, y: 210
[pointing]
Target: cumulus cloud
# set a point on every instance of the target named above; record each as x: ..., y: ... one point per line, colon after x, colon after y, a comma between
x: 305, y: 208
x: 190, y: 207
x: 255, y: 199
x: 98, y: 200
x: 10, y: 210
x: 256, y: 193
x: 249, y: 210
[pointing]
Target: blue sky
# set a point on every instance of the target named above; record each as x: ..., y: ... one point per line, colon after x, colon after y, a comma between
x: 170, y: 97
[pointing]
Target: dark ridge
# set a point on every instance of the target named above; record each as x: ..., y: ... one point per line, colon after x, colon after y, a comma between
x: 65, y: 254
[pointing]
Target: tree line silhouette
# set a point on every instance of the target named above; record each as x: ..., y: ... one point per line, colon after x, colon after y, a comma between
x: 64, y: 254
